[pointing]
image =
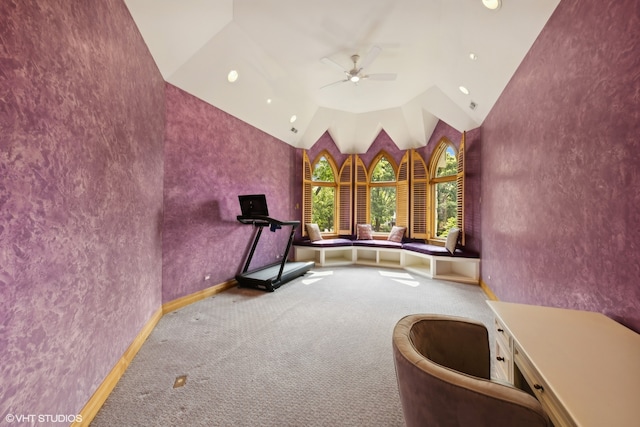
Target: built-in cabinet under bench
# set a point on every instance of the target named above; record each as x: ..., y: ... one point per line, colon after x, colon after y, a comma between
x: 582, y: 366
x: 431, y: 261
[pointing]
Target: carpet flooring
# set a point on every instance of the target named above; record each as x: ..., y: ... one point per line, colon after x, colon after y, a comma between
x: 316, y: 352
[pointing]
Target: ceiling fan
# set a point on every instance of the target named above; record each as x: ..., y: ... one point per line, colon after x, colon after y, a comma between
x: 356, y: 74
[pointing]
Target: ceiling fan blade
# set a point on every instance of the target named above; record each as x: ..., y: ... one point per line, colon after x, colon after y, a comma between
x: 371, y: 56
x: 335, y: 83
x: 333, y: 63
x: 381, y: 76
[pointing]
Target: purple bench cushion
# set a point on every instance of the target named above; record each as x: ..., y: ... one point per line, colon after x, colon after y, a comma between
x: 378, y: 244
x: 324, y: 243
x: 425, y: 248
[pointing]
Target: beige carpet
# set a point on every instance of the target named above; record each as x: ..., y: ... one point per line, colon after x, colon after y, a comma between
x: 316, y: 352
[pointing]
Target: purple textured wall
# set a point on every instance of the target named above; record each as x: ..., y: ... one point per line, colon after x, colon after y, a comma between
x: 210, y: 159
x: 324, y: 143
x: 560, y: 167
x: 81, y: 128
x: 473, y: 190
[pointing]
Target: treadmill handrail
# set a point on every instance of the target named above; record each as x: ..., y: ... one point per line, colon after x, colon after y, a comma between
x: 286, y: 252
x: 261, y: 220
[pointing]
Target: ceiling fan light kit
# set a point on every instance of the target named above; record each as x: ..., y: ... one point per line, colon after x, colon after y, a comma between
x: 355, y: 74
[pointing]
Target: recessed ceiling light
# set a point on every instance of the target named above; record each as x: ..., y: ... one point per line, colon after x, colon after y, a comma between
x: 492, y: 4
x: 473, y: 56
x: 268, y: 100
x: 293, y: 118
x: 464, y: 90
x: 232, y: 76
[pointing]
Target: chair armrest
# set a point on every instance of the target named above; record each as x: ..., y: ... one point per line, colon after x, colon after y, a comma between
x: 456, y: 343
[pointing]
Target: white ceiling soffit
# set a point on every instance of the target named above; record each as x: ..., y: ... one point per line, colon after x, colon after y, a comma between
x: 175, y: 30
x: 277, y: 47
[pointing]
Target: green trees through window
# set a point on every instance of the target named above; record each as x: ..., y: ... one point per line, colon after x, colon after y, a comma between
x: 323, y: 195
x: 446, y: 189
x: 383, y: 196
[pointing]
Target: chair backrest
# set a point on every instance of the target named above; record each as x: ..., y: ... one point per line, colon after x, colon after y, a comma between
x: 442, y: 367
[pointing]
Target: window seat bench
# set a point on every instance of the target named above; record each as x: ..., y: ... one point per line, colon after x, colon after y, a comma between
x: 420, y: 258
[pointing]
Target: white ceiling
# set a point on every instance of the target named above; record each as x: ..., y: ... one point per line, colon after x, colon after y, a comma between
x: 277, y: 46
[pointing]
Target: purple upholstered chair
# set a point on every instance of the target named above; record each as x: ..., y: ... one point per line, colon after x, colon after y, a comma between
x: 443, y: 371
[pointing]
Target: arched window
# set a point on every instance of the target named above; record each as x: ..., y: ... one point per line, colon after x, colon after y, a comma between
x: 382, y: 194
x: 323, y: 194
x: 444, y: 189
x: 327, y: 194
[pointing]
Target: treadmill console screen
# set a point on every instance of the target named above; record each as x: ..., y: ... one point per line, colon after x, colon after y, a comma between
x: 253, y: 205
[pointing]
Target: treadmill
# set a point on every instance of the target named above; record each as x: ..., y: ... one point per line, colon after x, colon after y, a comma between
x: 269, y: 278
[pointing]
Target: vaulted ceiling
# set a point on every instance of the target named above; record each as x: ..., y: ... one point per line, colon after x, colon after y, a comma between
x: 288, y: 52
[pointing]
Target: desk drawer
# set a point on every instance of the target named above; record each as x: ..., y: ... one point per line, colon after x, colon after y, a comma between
x: 503, y: 362
x: 541, y: 390
x: 502, y: 334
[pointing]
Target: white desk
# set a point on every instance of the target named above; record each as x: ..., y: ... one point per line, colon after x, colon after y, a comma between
x: 582, y: 366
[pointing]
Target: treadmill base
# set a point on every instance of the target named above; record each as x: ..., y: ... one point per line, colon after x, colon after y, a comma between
x: 266, y: 278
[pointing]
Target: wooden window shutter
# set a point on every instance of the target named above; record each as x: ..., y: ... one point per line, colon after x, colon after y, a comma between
x: 419, y: 197
x: 307, y: 188
x: 460, y: 189
x: 345, y: 197
x: 362, y: 193
x: 402, y: 192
